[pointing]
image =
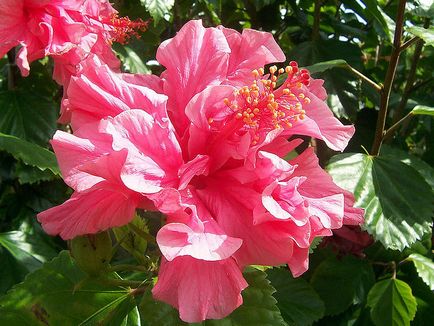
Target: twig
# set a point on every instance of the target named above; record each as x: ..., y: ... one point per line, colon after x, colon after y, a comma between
x: 365, y: 78
x: 411, y: 74
x: 395, y: 127
x: 385, y: 93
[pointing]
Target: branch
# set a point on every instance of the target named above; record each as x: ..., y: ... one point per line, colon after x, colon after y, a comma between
x: 365, y: 78
x: 385, y: 93
x: 316, y: 19
x: 395, y: 127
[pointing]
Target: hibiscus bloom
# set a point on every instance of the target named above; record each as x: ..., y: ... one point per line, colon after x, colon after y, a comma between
x: 204, y: 144
x: 67, y: 30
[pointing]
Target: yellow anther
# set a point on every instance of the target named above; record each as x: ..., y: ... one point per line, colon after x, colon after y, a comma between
x: 256, y: 111
x: 261, y: 71
x: 210, y: 120
x: 281, y: 71
x: 288, y: 124
x: 273, y: 69
x: 234, y: 107
x: 299, y: 85
x: 273, y: 84
x: 255, y: 102
x: 286, y: 91
x: 273, y: 78
x: 238, y: 115
x: 301, y: 95
x: 288, y: 69
x: 302, y: 116
x: 226, y: 101
x: 307, y: 100
x: 270, y: 97
x: 255, y: 73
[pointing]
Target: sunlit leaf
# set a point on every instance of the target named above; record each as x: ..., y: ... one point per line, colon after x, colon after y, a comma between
x: 392, y: 303
x: 397, y: 200
x: 425, y: 268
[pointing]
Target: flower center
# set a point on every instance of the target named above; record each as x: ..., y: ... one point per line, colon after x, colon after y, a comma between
x: 263, y: 107
x: 123, y: 28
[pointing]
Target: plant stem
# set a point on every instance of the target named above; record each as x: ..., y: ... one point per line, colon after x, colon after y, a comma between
x: 12, y: 70
x: 365, y: 78
x: 385, y: 92
x: 395, y: 127
x: 316, y: 19
x: 411, y: 74
x: 409, y: 43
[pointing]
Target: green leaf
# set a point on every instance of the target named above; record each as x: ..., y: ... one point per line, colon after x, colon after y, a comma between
x: 424, y: 8
x: 157, y: 313
x: 29, y: 175
x: 59, y: 294
x: 27, y: 115
x: 326, y: 65
x: 131, y: 61
x: 424, y: 169
x: 158, y: 8
x: 29, y: 153
x: 422, y: 109
x: 353, y: 277
x: 30, y: 254
x: 397, y: 200
x: 425, y: 269
x: 426, y: 34
x: 298, y: 302
x: 11, y: 272
x: 392, y: 303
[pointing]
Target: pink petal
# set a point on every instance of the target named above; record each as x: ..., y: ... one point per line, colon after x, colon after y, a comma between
x: 97, y: 209
x: 200, y: 289
x: 176, y: 239
x: 195, y: 58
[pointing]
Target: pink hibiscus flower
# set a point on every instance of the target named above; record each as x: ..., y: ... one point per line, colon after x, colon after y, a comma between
x: 68, y: 30
x: 213, y: 165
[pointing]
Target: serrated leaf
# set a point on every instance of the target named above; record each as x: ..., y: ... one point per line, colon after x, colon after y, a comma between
x: 423, y: 109
x: 29, y: 153
x: 397, y: 200
x: 27, y: 115
x: 158, y: 8
x: 392, y: 303
x: 353, y: 277
x: 426, y: 34
x: 298, y: 302
x: 59, y: 294
x: 424, y: 169
x: 29, y: 175
x: 425, y: 269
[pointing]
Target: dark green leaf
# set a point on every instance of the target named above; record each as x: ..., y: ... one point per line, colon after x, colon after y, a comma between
x: 397, y: 200
x: 392, y: 303
x: 131, y: 61
x: 326, y: 65
x: 353, y: 277
x: 11, y: 272
x: 424, y: 8
x: 28, y: 174
x: 59, y: 294
x: 30, y: 254
x: 28, y: 116
x: 424, y: 169
x: 29, y: 153
x: 425, y: 268
x: 298, y: 302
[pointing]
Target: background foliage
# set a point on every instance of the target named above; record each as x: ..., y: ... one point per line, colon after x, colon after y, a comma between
x: 348, y: 43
